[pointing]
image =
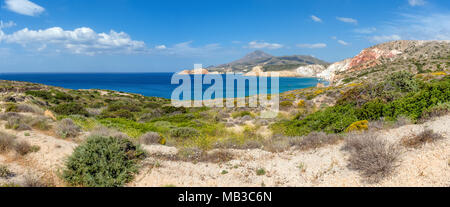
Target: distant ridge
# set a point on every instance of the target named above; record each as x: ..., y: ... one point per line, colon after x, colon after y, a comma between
x: 267, y: 62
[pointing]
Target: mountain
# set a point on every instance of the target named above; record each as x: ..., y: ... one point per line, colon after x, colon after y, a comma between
x: 267, y: 62
x: 374, y: 63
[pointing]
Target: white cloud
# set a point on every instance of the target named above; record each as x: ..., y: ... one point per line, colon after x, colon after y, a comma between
x: 312, y: 46
x: 24, y: 7
x: 342, y: 42
x: 384, y: 38
x: 333, y: 37
x: 347, y: 20
x: 432, y: 26
x: 416, y: 2
x: 263, y: 45
x: 160, y: 47
x: 4, y: 25
x: 79, y: 41
x: 187, y: 49
x: 316, y: 19
x: 369, y: 30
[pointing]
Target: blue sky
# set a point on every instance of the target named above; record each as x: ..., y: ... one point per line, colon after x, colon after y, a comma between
x: 170, y: 35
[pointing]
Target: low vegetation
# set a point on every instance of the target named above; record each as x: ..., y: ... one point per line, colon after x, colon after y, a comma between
x: 103, y: 162
x: 417, y: 140
x: 373, y: 157
x: 399, y: 96
x: 66, y: 128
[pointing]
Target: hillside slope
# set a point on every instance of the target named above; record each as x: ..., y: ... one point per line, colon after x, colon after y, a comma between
x: 380, y: 60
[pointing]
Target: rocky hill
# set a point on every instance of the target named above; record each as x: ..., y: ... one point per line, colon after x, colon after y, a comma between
x: 267, y: 62
x: 375, y: 62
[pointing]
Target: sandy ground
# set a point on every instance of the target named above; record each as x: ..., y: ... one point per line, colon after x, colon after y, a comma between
x: 427, y: 166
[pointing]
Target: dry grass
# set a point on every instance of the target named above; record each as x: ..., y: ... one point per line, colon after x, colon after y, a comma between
x: 418, y: 140
x: 23, y: 148
x: 101, y: 131
x: 29, y: 108
x: 6, y: 142
x: 34, y: 182
x: 66, y: 128
x: 314, y: 140
x: 371, y: 156
x: 150, y: 138
x: 196, y: 155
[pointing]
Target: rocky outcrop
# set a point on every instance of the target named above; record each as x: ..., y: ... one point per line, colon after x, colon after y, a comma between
x: 310, y: 70
x: 194, y: 72
x: 305, y: 71
x: 330, y: 73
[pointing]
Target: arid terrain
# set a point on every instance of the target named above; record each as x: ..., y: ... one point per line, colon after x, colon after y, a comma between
x: 384, y: 120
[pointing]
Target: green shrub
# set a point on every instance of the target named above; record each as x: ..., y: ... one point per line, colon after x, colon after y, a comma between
x: 286, y: 104
x: 173, y: 109
x: 131, y: 128
x: 5, y: 172
x: 120, y: 106
x: 260, y: 172
x: 121, y: 113
x: 11, y: 107
x: 40, y: 94
x: 70, y: 109
x: 241, y: 114
x: 403, y: 81
x: 103, y: 162
x: 372, y: 110
x: 184, y: 132
x: 331, y: 120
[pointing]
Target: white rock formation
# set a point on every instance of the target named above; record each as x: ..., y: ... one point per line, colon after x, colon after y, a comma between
x: 310, y: 70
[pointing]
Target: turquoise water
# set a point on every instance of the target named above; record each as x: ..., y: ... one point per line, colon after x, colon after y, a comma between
x: 147, y: 84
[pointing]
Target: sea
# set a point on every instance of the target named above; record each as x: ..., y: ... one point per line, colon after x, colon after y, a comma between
x: 147, y: 84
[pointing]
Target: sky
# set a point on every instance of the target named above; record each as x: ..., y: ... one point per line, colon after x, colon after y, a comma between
x: 173, y: 35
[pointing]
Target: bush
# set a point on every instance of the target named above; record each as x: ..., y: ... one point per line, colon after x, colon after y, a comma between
x: 40, y: 122
x: 331, y: 120
x: 23, y: 148
x: 117, y: 106
x: 194, y: 154
x: 103, y: 162
x: 122, y: 113
x: 403, y: 81
x: 150, y: 138
x: 241, y: 114
x: 417, y: 140
x: 11, y: 107
x: 6, y: 142
x: 260, y: 172
x: 5, y: 172
x: 372, y: 110
x: 286, y: 104
x: 29, y: 108
x: 436, y: 111
x: 70, y: 109
x: 358, y: 126
x: 301, y: 104
x: 372, y: 157
x: 17, y: 123
x: 184, y: 132
x: 107, y: 132
x: 66, y: 128
x: 173, y: 109
x: 314, y: 140
x: 40, y: 94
